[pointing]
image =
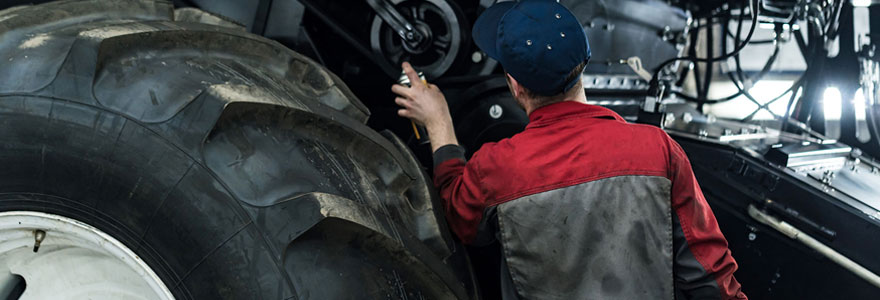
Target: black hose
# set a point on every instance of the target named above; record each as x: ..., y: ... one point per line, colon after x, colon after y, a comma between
x: 702, y: 100
x: 793, y: 88
x: 737, y: 40
x: 740, y: 81
x: 788, y: 106
x: 695, y: 69
x: 755, y: 42
x: 740, y: 90
x: 705, y: 101
x: 833, y: 24
x: 710, y: 51
x: 754, y: 12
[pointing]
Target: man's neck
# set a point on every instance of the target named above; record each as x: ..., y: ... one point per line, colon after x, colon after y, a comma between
x: 580, y: 97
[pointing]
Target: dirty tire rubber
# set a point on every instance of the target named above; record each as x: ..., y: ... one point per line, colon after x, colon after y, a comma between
x: 235, y: 167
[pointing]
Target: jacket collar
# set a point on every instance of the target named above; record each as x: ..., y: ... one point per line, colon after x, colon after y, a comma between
x: 568, y: 110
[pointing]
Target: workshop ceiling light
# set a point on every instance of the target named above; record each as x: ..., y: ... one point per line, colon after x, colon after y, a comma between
x: 831, y: 103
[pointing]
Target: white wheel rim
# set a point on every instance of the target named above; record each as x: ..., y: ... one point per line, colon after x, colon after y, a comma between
x: 74, y: 261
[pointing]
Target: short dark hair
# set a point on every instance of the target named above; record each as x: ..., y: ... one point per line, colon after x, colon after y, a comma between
x: 542, y: 100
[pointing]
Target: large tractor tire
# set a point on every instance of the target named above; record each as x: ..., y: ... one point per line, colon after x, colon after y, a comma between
x: 209, y: 162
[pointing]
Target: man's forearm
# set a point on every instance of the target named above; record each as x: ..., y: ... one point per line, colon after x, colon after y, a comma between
x: 441, y: 134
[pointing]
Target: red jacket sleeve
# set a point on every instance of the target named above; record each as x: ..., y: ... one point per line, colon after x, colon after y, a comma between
x: 458, y: 182
x: 703, y: 264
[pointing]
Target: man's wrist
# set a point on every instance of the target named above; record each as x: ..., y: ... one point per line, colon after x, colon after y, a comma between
x: 441, y: 133
x: 437, y: 124
x: 433, y: 129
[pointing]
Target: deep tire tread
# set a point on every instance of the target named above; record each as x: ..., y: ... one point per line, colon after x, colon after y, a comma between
x: 233, y: 106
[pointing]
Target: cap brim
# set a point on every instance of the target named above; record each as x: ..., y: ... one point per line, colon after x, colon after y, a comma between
x: 485, y: 31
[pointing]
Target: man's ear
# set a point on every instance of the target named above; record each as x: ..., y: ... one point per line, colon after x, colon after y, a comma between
x: 515, y: 88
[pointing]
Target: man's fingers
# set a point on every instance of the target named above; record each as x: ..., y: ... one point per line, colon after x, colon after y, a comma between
x: 403, y: 102
x: 411, y: 73
x: 403, y: 113
x: 401, y: 90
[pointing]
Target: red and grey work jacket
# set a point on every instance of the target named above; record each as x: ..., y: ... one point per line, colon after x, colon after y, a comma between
x: 587, y: 206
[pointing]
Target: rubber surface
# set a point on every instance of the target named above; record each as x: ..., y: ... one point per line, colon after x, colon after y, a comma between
x: 237, y: 168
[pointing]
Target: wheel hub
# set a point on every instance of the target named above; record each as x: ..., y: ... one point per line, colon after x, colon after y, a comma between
x: 58, y: 257
x: 443, y: 35
x: 419, y: 48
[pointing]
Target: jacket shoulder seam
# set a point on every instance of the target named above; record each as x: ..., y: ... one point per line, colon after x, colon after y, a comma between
x: 558, y: 185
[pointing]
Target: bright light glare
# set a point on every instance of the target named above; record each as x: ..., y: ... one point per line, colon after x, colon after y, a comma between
x: 766, y: 26
x: 860, y: 104
x: 831, y: 103
x: 765, y: 90
x: 861, y: 3
x: 771, y: 26
x: 740, y: 107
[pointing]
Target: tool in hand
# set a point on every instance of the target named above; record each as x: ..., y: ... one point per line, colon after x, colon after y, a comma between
x: 418, y: 130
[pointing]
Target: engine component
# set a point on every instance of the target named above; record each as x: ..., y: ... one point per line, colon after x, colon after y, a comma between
x: 736, y: 175
x: 412, y: 36
x: 443, y: 29
x: 233, y: 166
x: 619, y: 30
x: 809, y: 154
x: 824, y: 189
x: 487, y: 113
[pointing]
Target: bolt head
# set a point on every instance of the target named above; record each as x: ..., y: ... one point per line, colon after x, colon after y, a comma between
x: 703, y: 132
x: 495, y: 111
x: 687, y: 117
x: 477, y: 57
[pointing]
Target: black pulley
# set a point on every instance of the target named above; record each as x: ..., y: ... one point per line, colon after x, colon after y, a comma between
x: 441, y: 26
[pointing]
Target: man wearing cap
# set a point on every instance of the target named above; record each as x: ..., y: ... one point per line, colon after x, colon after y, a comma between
x: 585, y: 205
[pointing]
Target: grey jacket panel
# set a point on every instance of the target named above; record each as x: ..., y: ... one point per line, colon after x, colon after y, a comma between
x: 606, y: 239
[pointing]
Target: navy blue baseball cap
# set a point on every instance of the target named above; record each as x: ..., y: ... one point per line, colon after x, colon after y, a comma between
x: 538, y: 42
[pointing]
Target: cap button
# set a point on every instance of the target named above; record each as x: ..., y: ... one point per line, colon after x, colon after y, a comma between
x: 562, y: 34
x: 529, y: 42
x: 558, y: 16
x: 548, y: 47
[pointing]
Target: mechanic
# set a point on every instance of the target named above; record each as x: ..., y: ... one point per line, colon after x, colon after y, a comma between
x: 585, y: 205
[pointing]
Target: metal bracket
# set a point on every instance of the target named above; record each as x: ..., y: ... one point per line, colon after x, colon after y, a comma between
x: 635, y: 63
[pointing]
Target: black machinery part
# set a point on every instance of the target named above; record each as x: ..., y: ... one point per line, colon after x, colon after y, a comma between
x: 444, y: 29
x: 413, y: 34
x: 488, y: 113
x: 622, y: 29
x: 235, y: 167
x: 772, y: 265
